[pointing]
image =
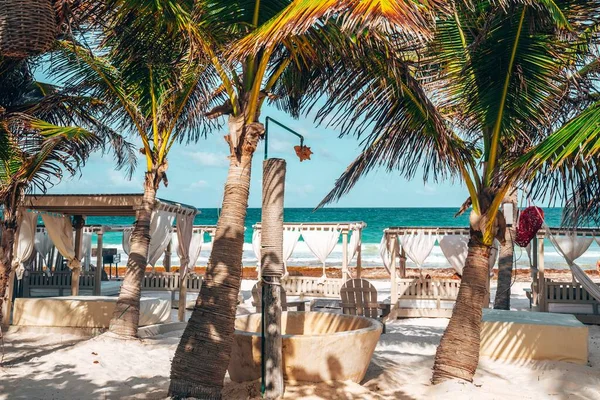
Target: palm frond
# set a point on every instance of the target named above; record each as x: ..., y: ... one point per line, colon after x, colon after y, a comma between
x: 412, y: 18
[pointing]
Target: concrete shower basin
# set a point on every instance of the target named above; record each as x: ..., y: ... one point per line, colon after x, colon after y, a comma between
x: 317, y: 347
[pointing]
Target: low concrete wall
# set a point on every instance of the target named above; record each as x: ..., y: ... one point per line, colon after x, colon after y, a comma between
x: 83, y: 311
x: 524, y: 336
x: 317, y: 347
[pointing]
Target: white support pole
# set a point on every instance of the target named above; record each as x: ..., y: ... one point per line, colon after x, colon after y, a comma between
x: 99, y: 265
x: 345, y: 273
x: 393, y: 248
x: 359, y: 253
x: 541, y: 278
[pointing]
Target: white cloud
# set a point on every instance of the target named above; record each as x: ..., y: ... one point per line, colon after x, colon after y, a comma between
x: 119, y: 180
x: 207, y: 159
x: 201, y: 184
x: 281, y: 145
x: 427, y: 190
x: 299, y: 190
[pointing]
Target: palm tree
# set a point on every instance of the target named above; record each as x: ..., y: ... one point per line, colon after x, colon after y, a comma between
x: 155, y: 84
x: 275, y: 49
x: 495, y: 76
x: 41, y: 135
x: 506, y: 257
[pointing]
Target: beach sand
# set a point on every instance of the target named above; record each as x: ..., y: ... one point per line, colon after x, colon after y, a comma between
x: 62, y: 366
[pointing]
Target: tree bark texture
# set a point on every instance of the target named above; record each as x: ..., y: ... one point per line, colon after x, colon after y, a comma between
x: 272, y: 271
x: 126, y: 317
x: 457, y: 355
x: 6, y: 255
x: 506, y: 259
x: 203, y: 354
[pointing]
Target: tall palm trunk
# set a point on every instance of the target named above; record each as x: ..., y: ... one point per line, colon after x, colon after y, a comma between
x: 126, y: 317
x: 9, y: 227
x: 457, y: 355
x: 203, y: 354
x: 506, y: 259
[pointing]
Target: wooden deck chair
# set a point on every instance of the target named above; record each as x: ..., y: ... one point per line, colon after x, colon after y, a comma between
x: 359, y: 297
x: 257, y: 297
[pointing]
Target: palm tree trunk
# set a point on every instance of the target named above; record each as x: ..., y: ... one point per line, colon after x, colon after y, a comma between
x: 6, y: 255
x: 506, y: 259
x: 457, y: 355
x: 203, y: 354
x: 126, y: 317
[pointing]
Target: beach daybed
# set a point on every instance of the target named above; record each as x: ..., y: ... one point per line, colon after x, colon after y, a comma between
x: 83, y: 311
x: 430, y: 298
x: 570, y: 298
x: 38, y: 284
x: 64, y: 223
x: 579, y: 297
x: 423, y: 296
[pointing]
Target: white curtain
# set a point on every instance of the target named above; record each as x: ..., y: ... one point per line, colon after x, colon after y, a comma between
x: 386, y: 255
x: 195, y: 248
x: 418, y: 245
x: 126, y: 240
x: 185, y: 226
x: 354, y: 244
x: 42, y: 245
x: 25, y: 241
x: 290, y: 238
x: 187, y: 243
x: 321, y: 243
x: 161, y: 228
x: 256, y: 247
x: 455, y: 248
x: 60, y: 230
x: 573, y: 248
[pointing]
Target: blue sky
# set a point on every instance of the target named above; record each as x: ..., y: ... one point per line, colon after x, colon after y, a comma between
x: 197, y: 173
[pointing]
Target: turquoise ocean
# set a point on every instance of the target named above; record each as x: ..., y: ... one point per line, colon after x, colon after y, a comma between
x: 377, y: 219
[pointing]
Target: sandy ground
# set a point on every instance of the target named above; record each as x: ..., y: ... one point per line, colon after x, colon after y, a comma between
x: 53, y: 366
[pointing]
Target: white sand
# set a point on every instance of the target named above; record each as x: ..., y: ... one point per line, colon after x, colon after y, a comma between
x: 52, y: 366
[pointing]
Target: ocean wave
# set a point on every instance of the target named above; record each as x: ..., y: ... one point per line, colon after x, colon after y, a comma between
x: 302, y: 256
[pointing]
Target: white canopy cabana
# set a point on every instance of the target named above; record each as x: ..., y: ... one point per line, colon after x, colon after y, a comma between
x: 57, y: 210
x: 321, y: 238
x: 416, y: 244
x: 570, y: 244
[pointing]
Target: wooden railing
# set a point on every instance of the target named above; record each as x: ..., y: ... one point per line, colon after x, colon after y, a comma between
x: 567, y: 293
x: 428, y: 289
x: 424, y: 297
x: 312, y: 287
x: 60, y: 281
x: 169, y: 281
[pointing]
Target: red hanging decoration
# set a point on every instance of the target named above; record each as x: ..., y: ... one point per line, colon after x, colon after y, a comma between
x: 530, y: 222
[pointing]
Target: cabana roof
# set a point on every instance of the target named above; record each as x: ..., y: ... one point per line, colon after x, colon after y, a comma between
x: 100, y: 204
